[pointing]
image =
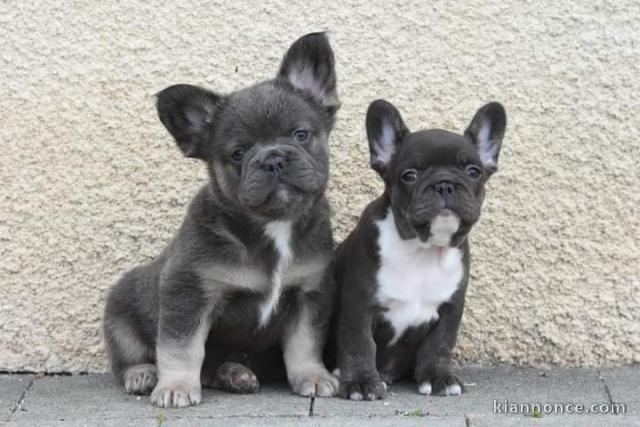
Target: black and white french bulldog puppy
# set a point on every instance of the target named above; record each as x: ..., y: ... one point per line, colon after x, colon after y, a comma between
x: 403, y: 271
x: 248, y: 276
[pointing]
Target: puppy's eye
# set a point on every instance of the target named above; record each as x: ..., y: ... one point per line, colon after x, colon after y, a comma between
x: 238, y: 154
x: 301, y: 135
x: 409, y: 176
x: 474, y: 172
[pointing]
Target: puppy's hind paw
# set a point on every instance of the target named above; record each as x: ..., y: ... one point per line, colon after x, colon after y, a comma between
x: 236, y: 378
x: 318, y: 383
x: 140, y: 379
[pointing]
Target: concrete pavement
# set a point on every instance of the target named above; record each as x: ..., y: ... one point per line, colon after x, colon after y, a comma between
x: 496, y: 396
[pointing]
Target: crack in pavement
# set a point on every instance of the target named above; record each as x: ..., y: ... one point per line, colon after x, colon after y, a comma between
x: 21, y: 398
x: 606, y: 387
x: 312, y: 401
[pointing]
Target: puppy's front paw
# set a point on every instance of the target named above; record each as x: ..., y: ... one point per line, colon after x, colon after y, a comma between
x: 362, y: 390
x: 318, y: 382
x: 176, y: 395
x: 441, y: 386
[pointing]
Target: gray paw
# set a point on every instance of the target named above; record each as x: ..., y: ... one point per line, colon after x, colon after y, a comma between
x: 236, y: 378
x: 140, y: 379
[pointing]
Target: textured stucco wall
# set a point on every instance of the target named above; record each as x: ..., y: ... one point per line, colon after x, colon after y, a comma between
x: 91, y: 184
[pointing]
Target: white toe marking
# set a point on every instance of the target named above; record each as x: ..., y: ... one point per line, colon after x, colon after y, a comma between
x: 454, y: 390
x: 336, y: 372
x: 425, y: 388
x: 355, y: 396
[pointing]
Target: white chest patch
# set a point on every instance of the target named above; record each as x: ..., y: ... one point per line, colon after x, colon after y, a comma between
x: 415, y: 278
x: 280, y: 233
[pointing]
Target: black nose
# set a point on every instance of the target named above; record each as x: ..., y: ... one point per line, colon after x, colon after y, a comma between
x: 275, y: 164
x: 446, y: 189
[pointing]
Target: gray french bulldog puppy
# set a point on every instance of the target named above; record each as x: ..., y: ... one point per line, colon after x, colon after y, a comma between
x: 246, y: 283
x: 403, y: 271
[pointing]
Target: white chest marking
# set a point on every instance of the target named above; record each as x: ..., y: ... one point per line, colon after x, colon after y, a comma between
x: 280, y: 232
x: 415, y: 278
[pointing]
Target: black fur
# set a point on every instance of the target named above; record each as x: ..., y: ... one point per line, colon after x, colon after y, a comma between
x: 439, y: 159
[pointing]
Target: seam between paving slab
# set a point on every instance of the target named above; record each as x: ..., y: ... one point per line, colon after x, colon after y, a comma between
x: 25, y: 397
x: 21, y: 397
x: 606, y: 387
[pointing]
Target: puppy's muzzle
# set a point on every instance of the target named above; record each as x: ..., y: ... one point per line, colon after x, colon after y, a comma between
x: 274, y: 163
x: 445, y: 188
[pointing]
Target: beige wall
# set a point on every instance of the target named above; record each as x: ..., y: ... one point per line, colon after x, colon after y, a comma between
x: 91, y: 184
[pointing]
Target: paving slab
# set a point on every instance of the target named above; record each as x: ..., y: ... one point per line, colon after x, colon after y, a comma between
x: 252, y: 421
x: 96, y: 400
x: 12, y: 388
x: 485, y: 387
x: 99, y: 398
x: 552, y: 420
x: 624, y: 386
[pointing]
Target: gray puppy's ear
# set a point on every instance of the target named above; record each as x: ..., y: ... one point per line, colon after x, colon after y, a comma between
x: 385, y: 131
x: 309, y: 66
x: 188, y: 113
x: 486, y: 132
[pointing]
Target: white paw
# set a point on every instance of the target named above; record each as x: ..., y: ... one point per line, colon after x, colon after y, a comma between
x: 140, y: 379
x: 454, y: 390
x: 450, y: 390
x: 318, y: 382
x: 356, y: 395
x: 425, y: 388
x: 176, y: 395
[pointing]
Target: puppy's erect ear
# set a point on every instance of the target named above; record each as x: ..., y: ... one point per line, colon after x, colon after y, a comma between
x: 486, y: 132
x: 188, y: 113
x: 385, y: 130
x: 309, y: 66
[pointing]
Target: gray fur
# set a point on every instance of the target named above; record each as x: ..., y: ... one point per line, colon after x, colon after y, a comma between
x: 197, y: 303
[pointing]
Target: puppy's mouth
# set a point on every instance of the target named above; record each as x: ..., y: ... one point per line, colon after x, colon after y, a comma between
x: 437, y: 229
x: 272, y: 195
x: 284, y: 193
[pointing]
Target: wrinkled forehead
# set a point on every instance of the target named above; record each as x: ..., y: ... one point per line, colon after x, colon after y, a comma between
x: 269, y: 110
x: 435, y: 147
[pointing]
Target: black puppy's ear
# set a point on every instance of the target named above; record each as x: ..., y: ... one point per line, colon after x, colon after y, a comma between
x: 385, y: 131
x: 188, y: 113
x: 486, y: 132
x: 309, y: 66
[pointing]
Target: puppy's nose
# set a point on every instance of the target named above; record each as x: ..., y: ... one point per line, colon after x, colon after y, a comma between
x: 446, y: 189
x: 275, y: 164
